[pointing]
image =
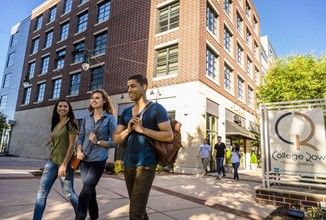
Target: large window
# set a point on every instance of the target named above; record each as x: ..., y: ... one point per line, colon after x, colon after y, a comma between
x: 256, y: 49
x: 38, y: 23
x: 227, y: 77
x: 56, y: 88
x: 103, y: 13
x: 64, y: 31
x: 169, y: 17
x: 52, y: 14
x: 248, y: 9
x: 167, y: 61
x: 45, y: 64
x: 35, y: 44
x: 211, y: 64
x: 82, y: 1
x: 31, y: 69
x: 67, y: 6
x: 48, y: 41
x: 3, y: 102
x: 74, y: 84
x: 249, y: 66
x: 250, y: 97
x: 248, y: 38
x: 11, y: 59
x: 40, y: 92
x: 241, y: 89
x: 96, y: 78
x: 211, y: 20
x: 6, y: 81
x: 27, y: 95
x: 239, y: 24
x: 78, y: 53
x: 228, y: 7
x: 100, y: 43
x: 60, y: 60
x: 240, y: 54
x: 14, y: 39
x: 82, y: 22
x: 227, y: 40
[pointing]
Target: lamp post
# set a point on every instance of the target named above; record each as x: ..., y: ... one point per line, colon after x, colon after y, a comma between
x: 26, y: 81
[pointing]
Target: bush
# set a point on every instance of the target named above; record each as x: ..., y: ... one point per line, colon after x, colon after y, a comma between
x: 228, y: 159
x: 118, y: 166
x: 253, y: 158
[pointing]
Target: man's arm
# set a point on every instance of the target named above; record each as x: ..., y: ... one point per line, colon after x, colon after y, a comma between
x: 120, y: 134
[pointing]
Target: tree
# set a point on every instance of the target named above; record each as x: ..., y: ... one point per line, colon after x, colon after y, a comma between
x: 295, y: 77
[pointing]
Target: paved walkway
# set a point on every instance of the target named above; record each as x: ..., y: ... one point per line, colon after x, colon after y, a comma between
x: 173, y: 196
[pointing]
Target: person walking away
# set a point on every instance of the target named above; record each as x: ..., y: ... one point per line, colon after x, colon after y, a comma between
x: 204, y: 153
x: 63, y: 139
x: 235, y: 155
x: 220, y: 155
x: 139, y: 133
x: 92, y: 149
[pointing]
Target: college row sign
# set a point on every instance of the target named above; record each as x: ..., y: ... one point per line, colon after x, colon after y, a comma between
x: 297, y: 142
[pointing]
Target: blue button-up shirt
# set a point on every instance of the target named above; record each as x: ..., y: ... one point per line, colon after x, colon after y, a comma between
x: 104, y: 129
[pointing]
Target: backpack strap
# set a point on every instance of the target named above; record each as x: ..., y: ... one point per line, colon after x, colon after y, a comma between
x: 148, y: 105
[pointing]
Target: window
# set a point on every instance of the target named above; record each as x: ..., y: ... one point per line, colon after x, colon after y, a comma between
x: 249, y: 66
x: 248, y: 9
x: 48, y: 41
x: 100, y: 44
x: 67, y: 6
x: 56, y: 88
x: 35, y: 44
x: 227, y: 40
x: 11, y: 59
x: 52, y: 14
x: 40, y: 92
x: 211, y: 64
x: 257, y: 76
x: 6, y: 81
x: 38, y: 23
x: 82, y: 1
x: 64, y: 31
x: 239, y: 54
x: 96, y: 78
x: 167, y: 61
x: 27, y: 95
x: 211, y: 21
x: 103, y: 13
x: 60, y: 61
x: 14, y: 39
x: 45, y: 65
x: 250, y: 97
x: 3, y: 102
x: 169, y: 17
x: 78, y: 52
x: 255, y: 24
x: 256, y: 49
x: 228, y: 7
x: 227, y: 78
x: 31, y: 69
x: 239, y: 23
x: 74, y: 84
x: 248, y: 38
x: 240, y: 89
x: 82, y: 22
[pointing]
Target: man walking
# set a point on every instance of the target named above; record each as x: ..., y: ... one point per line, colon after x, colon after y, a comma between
x: 220, y: 154
x: 139, y: 132
x: 204, y: 152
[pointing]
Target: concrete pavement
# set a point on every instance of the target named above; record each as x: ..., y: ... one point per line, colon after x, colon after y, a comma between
x: 173, y: 196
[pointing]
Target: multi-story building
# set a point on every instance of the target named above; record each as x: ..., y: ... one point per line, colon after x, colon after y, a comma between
x: 268, y: 54
x: 202, y: 59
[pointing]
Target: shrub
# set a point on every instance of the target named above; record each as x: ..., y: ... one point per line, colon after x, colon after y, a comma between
x: 253, y: 158
x: 118, y: 166
x: 228, y: 159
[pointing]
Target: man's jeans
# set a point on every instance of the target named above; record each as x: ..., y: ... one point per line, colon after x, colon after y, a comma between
x: 205, y: 162
x: 139, y: 181
x: 91, y: 173
x: 50, y: 174
x: 220, y: 165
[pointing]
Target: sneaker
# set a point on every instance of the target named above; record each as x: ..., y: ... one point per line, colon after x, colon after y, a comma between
x: 224, y: 175
x: 233, y: 180
x: 218, y: 177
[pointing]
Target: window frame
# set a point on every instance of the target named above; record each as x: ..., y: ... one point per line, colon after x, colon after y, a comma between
x: 168, y: 25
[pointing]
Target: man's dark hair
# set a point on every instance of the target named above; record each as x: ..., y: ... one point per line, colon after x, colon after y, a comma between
x: 141, y: 79
x: 219, y: 137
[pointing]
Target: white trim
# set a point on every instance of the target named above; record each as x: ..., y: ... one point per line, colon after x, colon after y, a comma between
x: 156, y: 78
x: 57, y: 77
x: 77, y: 41
x: 75, y: 71
x: 166, y: 3
x: 98, y: 64
x: 41, y: 82
x: 166, y: 32
x: 100, y: 31
x: 64, y: 21
x: 81, y: 12
x: 37, y: 36
x: 166, y: 44
x: 229, y: 64
x: 228, y: 27
x: 45, y: 55
x: 212, y: 48
x: 50, y: 29
x: 61, y: 48
x: 212, y: 5
x: 32, y: 61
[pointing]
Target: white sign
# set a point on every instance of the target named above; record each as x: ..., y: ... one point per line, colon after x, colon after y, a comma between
x: 297, y: 142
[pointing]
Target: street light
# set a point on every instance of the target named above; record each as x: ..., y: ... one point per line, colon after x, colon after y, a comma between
x: 26, y: 82
x: 85, y: 64
x: 158, y: 93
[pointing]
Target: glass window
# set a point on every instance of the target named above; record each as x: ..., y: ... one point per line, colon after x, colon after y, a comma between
x: 14, y: 39
x: 240, y: 89
x: 227, y: 77
x: 239, y: 55
x: 6, y: 81
x: 40, y: 92
x: 100, y: 44
x: 31, y: 69
x: 82, y: 22
x: 35, y: 44
x: 48, y: 41
x: 256, y: 49
x: 96, y: 78
x: 38, y: 23
x: 249, y: 66
x: 11, y: 59
x: 74, y: 84
x: 248, y: 9
x: 211, y: 21
x: 82, y: 1
x: 56, y: 88
x: 3, y: 102
x: 64, y: 31
x: 169, y: 17
x: 211, y: 64
x: 248, y: 37
x: 250, y: 97
x: 67, y: 6
x: 167, y: 61
x: 228, y: 7
x: 239, y: 22
x: 60, y: 61
x: 45, y: 65
x: 103, y: 13
x: 227, y: 40
x: 79, y: 52
x: 52, y: 14
x: 27, y: 95
x: 257, y: 75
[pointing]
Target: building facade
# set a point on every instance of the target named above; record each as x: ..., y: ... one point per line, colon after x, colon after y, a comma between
x: 202, y: 59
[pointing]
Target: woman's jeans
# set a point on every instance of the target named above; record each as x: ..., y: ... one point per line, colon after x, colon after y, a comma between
x: 50, y: 174
x: 139, y: 181
x: 235, y: 172
x: 91, y: 173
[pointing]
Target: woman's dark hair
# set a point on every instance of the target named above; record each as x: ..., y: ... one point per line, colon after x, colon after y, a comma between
x: 56, y: 117
x: 237, y: 147
x: 107, y: 106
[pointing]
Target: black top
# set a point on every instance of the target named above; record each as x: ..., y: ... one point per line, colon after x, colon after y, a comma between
x: 220, y: 149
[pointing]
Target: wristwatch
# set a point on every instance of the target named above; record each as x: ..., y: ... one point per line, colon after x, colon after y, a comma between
x: 98, y: 142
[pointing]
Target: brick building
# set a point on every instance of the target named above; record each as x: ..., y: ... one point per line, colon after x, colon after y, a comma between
x: 202, y: 59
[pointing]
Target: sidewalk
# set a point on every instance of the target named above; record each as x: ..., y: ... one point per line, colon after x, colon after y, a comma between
x: 173, y: 196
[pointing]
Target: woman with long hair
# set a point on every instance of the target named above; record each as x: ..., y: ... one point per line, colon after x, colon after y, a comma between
x: 63, y: 139
x: 93, y: 142
x: 235, y: 155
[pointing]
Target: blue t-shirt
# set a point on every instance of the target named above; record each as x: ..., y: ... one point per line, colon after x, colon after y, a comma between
x: 140, y: 149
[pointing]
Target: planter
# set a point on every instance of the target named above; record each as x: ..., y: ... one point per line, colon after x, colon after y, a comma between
x: 228, y: 168
x: 296, y: 213
x: 253, y: 166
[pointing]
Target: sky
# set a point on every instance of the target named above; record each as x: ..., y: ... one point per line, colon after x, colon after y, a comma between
x: 293, y: 26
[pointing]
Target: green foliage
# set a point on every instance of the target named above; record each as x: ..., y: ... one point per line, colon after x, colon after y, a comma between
x: 159, y: 168
x: 253, y: 158
x: 118, y: 166
x: 228, y: 159
x: 295, y: 77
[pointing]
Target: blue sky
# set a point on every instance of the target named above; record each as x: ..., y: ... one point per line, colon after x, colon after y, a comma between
x: 293, y: 26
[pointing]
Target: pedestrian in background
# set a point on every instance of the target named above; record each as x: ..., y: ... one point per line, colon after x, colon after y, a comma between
x: 235, y: 155
x: 140, y: 159
x: 92, y: 149
x: 63, y: 139
x: 220, y: 155
x: 204, y: 154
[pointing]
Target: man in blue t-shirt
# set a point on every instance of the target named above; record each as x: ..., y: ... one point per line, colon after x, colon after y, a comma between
x: 140, y: 132
x: 204, y: 152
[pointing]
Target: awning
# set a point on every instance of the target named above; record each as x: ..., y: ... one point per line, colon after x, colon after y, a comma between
x: 233, y: 129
